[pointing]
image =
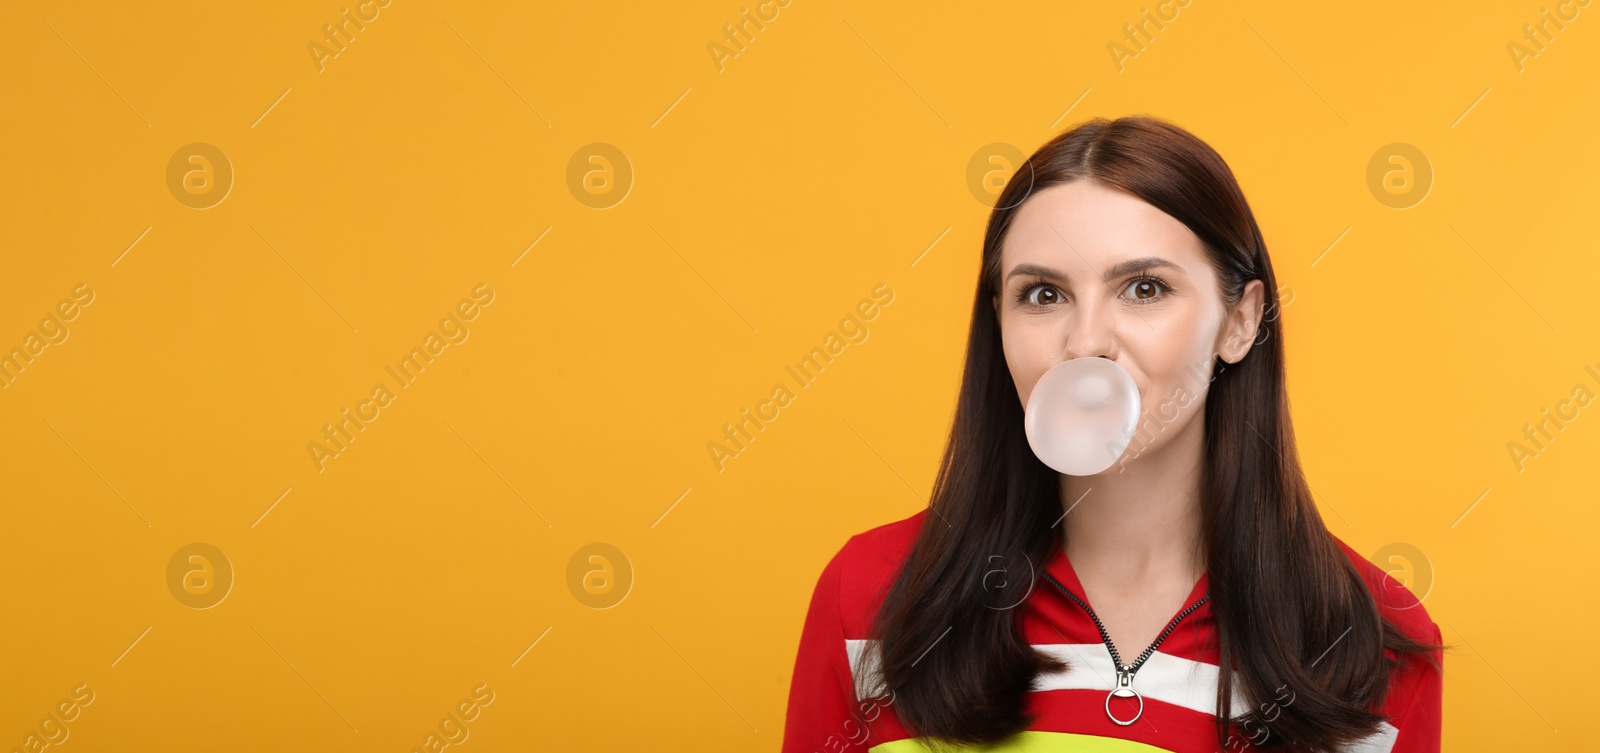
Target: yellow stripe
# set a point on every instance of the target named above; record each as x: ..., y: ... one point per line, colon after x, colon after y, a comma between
x: 1032, y: 741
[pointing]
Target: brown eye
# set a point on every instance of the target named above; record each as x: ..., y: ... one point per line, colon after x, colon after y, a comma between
x: 1147, y: 289
x: 1047, y: 294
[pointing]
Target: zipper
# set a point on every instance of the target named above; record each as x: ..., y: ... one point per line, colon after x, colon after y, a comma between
x: 1124, y: 688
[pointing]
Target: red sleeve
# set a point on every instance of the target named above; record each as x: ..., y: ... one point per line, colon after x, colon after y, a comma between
x: 1421, y: 701
x: 821, y: 716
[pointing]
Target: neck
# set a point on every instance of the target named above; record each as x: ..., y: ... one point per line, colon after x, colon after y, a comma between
x: 1142, y: 522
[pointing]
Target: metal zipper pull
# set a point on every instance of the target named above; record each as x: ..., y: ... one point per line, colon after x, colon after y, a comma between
x: 1124, y: 689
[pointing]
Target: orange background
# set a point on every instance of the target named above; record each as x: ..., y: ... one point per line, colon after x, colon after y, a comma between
x: 428, y: 566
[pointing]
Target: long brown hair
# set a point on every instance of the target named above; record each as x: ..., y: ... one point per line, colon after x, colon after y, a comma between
x: 1282, y: 591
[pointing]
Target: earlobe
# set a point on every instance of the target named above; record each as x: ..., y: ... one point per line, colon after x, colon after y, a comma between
x: 1230, y: 354
x: 1245, y: 344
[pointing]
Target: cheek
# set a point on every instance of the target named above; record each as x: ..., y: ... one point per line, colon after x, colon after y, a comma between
x: 1015, y: 363
x: 1179, y: 390
x: 1024, y: 359
x: 1176, y: 366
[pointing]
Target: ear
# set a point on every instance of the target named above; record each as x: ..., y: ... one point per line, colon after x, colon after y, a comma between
x: 1240, y: 323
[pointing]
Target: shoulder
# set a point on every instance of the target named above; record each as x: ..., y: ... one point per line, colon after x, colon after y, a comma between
x: 1413, y: 704
x: 864, y: 568
x: 1395, y: 601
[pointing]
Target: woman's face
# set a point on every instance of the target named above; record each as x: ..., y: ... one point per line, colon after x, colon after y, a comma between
x: 1088, y: 270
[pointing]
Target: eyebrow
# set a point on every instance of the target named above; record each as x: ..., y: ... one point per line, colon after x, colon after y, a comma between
x: 1117, y: 270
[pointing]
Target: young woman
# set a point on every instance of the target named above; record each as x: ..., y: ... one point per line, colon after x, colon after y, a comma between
x: 1030, y: 610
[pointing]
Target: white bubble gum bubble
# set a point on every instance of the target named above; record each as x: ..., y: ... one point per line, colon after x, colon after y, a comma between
x: 1092, y: 391
x: 1080, y: 415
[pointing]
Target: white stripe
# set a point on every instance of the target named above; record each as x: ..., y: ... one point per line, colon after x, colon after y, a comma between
x: 1163, y: 677
x: 863, y: 668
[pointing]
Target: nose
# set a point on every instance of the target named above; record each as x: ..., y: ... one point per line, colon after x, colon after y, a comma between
x: 1089, y: 333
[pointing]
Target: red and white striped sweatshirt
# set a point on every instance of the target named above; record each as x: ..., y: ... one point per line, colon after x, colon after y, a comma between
x: 1178, y: 682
